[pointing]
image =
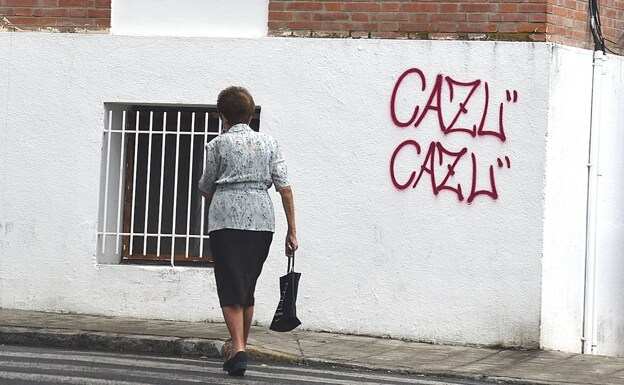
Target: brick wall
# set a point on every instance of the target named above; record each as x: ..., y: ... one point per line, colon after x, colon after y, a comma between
x: 55, y: 15
x: 560, y: 21
x: 567, y: 23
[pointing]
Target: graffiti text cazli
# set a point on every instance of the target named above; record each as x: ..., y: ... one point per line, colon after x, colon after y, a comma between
x: 437, y: 152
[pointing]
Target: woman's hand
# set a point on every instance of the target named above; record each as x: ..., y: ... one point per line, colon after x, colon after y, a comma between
x: 291, y: 244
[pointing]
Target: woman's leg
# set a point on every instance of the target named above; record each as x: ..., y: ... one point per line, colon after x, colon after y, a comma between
x: 234, y: 319
x: 238, y: 320
x: 248, y: 312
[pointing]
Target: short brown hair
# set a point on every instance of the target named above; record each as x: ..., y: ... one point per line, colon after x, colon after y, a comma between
x: 236, y: 104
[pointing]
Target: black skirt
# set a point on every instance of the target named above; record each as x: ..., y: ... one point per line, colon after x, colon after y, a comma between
x: 238, y: 257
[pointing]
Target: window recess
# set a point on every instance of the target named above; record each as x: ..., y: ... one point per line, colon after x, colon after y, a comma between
x: 151, y: 210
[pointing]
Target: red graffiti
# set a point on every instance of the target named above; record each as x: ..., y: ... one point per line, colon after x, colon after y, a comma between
x: 438, y: 155
x: 439, y: 164
x: 448, y: 86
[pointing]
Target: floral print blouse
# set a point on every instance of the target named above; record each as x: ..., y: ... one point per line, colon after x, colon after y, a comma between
x: 241, y: 165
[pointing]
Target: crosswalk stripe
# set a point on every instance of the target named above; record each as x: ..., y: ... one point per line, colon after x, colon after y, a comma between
x: 57, y: 379
x: 112, y: 360
x: 153, y: 367
x: 71, y: 370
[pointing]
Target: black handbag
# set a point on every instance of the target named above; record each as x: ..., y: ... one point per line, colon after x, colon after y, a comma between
x: 285, y: 318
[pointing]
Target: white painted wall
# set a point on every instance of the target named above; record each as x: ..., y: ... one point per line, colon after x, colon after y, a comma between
x: 566, y: 196
x: 566, y: 199
x: 375, y: 260
x: 232, y: 18
x: 610, y: 211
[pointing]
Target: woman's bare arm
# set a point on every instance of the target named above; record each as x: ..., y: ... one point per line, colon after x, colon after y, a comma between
x: 207, y: 196
x: 288, y: 202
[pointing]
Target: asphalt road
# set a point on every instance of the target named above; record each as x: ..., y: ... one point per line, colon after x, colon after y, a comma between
x: 21, y: 365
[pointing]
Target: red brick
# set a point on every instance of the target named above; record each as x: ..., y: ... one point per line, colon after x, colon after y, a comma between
x: 23, y: 11
x: 20, y: 3
x: 478, y: 18
x: 7, y: 11
x: 274, y: 25
x: 608, y: 12
x: 533, y: 8
x: 304, y: 6
x: 51, y: 12
x: 390, y: 7
x: 23, y: 21
x: 277, y: 6
x: 103, y: 3
x: 367, y: 7
x: 538, y: 18
x: 449, y: 17
x: 364, y: 26
x: 448, y: 27
x: 477, y: 7
x: 301, y: 25
x: 331, y: 27
x: 508, y: 27
x: 47, y: 21
x: 285, y: 16
x: 567, y: 19
x: 419, y: 7
x: 78, y: 12
x: 388, y: 26
x: 389, y: 16
x: 360, y: 16
x: 104, y: 22
x: 535, y: 28
x: 75, y: 22
x: 334, y: 6
x: 445, y: 7
x: 559, y: 11
x: 302, y: 16
x: 506, y: 8
x: 418, y: 17
x: 416, y: 27
x: 76, y: 3
x: 471, y: 27
x: 507, y: 17
x: 330, y: 16
x: 99, y: 13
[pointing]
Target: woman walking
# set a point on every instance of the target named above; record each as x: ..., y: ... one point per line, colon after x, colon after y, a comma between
x: 241, y: 165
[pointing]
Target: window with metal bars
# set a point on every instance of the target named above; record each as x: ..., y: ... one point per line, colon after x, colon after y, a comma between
x: 151, y: 210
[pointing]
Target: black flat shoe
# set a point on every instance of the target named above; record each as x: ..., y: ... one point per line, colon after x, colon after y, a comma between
x: 237, y: 365
x: 227, y: 364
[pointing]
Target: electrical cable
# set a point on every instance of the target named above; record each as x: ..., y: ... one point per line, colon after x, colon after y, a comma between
x: 615, y: 44
x: 596, y: 28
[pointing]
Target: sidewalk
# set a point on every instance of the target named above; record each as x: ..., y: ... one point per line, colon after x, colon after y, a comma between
x: 206, y: 339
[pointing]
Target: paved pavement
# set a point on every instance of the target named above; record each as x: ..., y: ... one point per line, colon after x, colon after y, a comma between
x: 20, y: 327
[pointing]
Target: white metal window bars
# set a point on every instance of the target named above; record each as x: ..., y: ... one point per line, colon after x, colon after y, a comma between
x: 150, y: 206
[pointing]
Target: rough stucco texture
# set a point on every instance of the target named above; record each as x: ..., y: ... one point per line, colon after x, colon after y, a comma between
x: 376, y: 258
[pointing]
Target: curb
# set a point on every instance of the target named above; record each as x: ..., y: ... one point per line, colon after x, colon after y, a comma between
x: 434, y: 374
x: 80, y: 339
x: 206, y: 348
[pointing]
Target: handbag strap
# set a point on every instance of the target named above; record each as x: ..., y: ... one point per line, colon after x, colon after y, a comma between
x: 291, y: 263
